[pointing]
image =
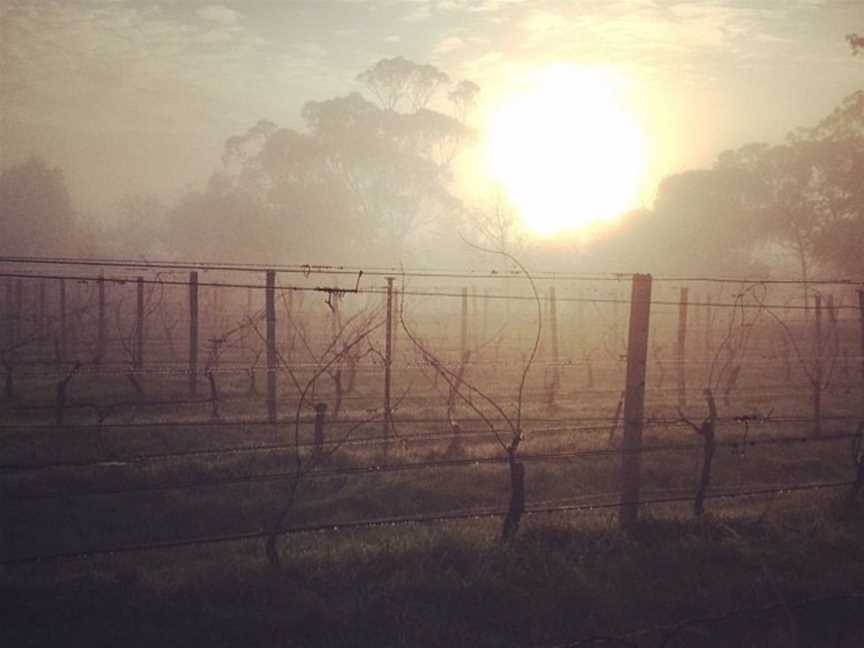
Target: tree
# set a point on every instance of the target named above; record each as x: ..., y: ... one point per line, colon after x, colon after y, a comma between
x: 837, y: 148
x: 784, y: 210
x: 137, y: 230
x: 220, y: 225
x: 856, y: 42
x: 36, y: 213
x: 397, y: 80
x: 808, y: 191
x: 701, y: 222
x: 464, y: 98
x: 360, y: 178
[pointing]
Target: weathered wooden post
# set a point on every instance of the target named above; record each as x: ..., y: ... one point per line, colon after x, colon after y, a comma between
x: 63, y: 340
x: 138, y: 362
x: 818, y: 365
x: 193, y: 332
x: 485, y: 325
x: 397, y: 310
x: 318, y: 439
x: 579, y: 336
x: 682, y: 348
x: 634, y: 399
x: 709, y: 350
x: 7, y: 536
x: 102, y: 325
x: 553, y: 346
x: 19, y: 311
x: 861, y: 322
x: 41, y: 325
x: 270, y: 313
x: 8, y: 315
x: 388, y: 358
x: 463, y: 336
x: 475, y: 317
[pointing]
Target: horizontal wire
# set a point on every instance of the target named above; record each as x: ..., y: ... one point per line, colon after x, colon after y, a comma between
x: 418, y: 293
x: 383, y: 271
x: 418, y: 519
x: 645, y: 421
x: 139, y: 459
x: 413, y: 466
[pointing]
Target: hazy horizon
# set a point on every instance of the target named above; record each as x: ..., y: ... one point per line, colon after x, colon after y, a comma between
x: 139, y: 97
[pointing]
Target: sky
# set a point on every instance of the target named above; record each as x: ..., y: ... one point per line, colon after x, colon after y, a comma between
x: 135, y: 97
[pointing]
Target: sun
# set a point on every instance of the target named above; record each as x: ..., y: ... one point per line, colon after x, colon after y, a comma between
x: 567, y: 151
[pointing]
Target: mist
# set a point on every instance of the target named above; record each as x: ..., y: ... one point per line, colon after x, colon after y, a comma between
x: 432, y: 323
x: 168, y: 122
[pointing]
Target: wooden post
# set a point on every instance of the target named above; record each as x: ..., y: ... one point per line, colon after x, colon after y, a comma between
x: 818, y: 368
x: 682, y: 348
x: 19, y: 310
x: 388, y: 358
x: 219, y: 302
x: 709, y: 351
x: 41, y: 315
x: 193, y: 333
x: 553, y: 343
x: 102, y: 326
x: 270, y: 308
x: 634, y: 399
x: 397, y: 306
x: 463, y: 338
x: 63, y: 338
x: 6, y: 530
x: 139, y: 324
x: 579, y: 336
x: 318, y: 439
x: 9, y: 315
x: 475, y: 316
x: 861, y: 321
x: 485, y: 325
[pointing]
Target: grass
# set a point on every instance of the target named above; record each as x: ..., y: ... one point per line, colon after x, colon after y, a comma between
x: 565, y: 578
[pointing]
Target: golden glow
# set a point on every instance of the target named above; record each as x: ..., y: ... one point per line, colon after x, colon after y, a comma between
x: 567, y: 151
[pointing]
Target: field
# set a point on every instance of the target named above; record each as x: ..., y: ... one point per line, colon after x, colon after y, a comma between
x: 333, y: 460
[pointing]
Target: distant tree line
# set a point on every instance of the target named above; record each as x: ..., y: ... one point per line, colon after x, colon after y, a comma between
x: 800, y: 201
x: 370, y: 179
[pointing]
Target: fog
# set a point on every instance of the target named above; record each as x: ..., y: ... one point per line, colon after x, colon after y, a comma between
x: 358, y: 133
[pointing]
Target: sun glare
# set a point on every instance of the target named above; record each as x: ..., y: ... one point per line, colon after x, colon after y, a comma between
x: 567, y: 151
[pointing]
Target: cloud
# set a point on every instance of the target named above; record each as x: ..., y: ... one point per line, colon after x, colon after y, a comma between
x: 449, y: 44
x: 418, y: 14
x: 309, y: 49
x: 218, y: 14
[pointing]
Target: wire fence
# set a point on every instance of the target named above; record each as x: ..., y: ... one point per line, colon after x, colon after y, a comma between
x: 160, y: 382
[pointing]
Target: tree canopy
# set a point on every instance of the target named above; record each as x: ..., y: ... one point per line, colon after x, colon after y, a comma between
x: 36, y: 213
x: 360, y: 177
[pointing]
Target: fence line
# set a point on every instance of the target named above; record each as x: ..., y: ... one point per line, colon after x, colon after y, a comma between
x: 564, y: 507
x: 815, y: 346
x: 318, y: 473
x: 381, y: 271
x: 415, y: 293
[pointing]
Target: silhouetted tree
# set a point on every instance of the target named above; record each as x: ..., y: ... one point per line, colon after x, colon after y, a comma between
x: 464, y: 98
x: 36, y: 214
x: 136, y: 230
x: 359, y: 178
x: 226, y: 224
x: 395, y: 80
x: 837, y: 146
